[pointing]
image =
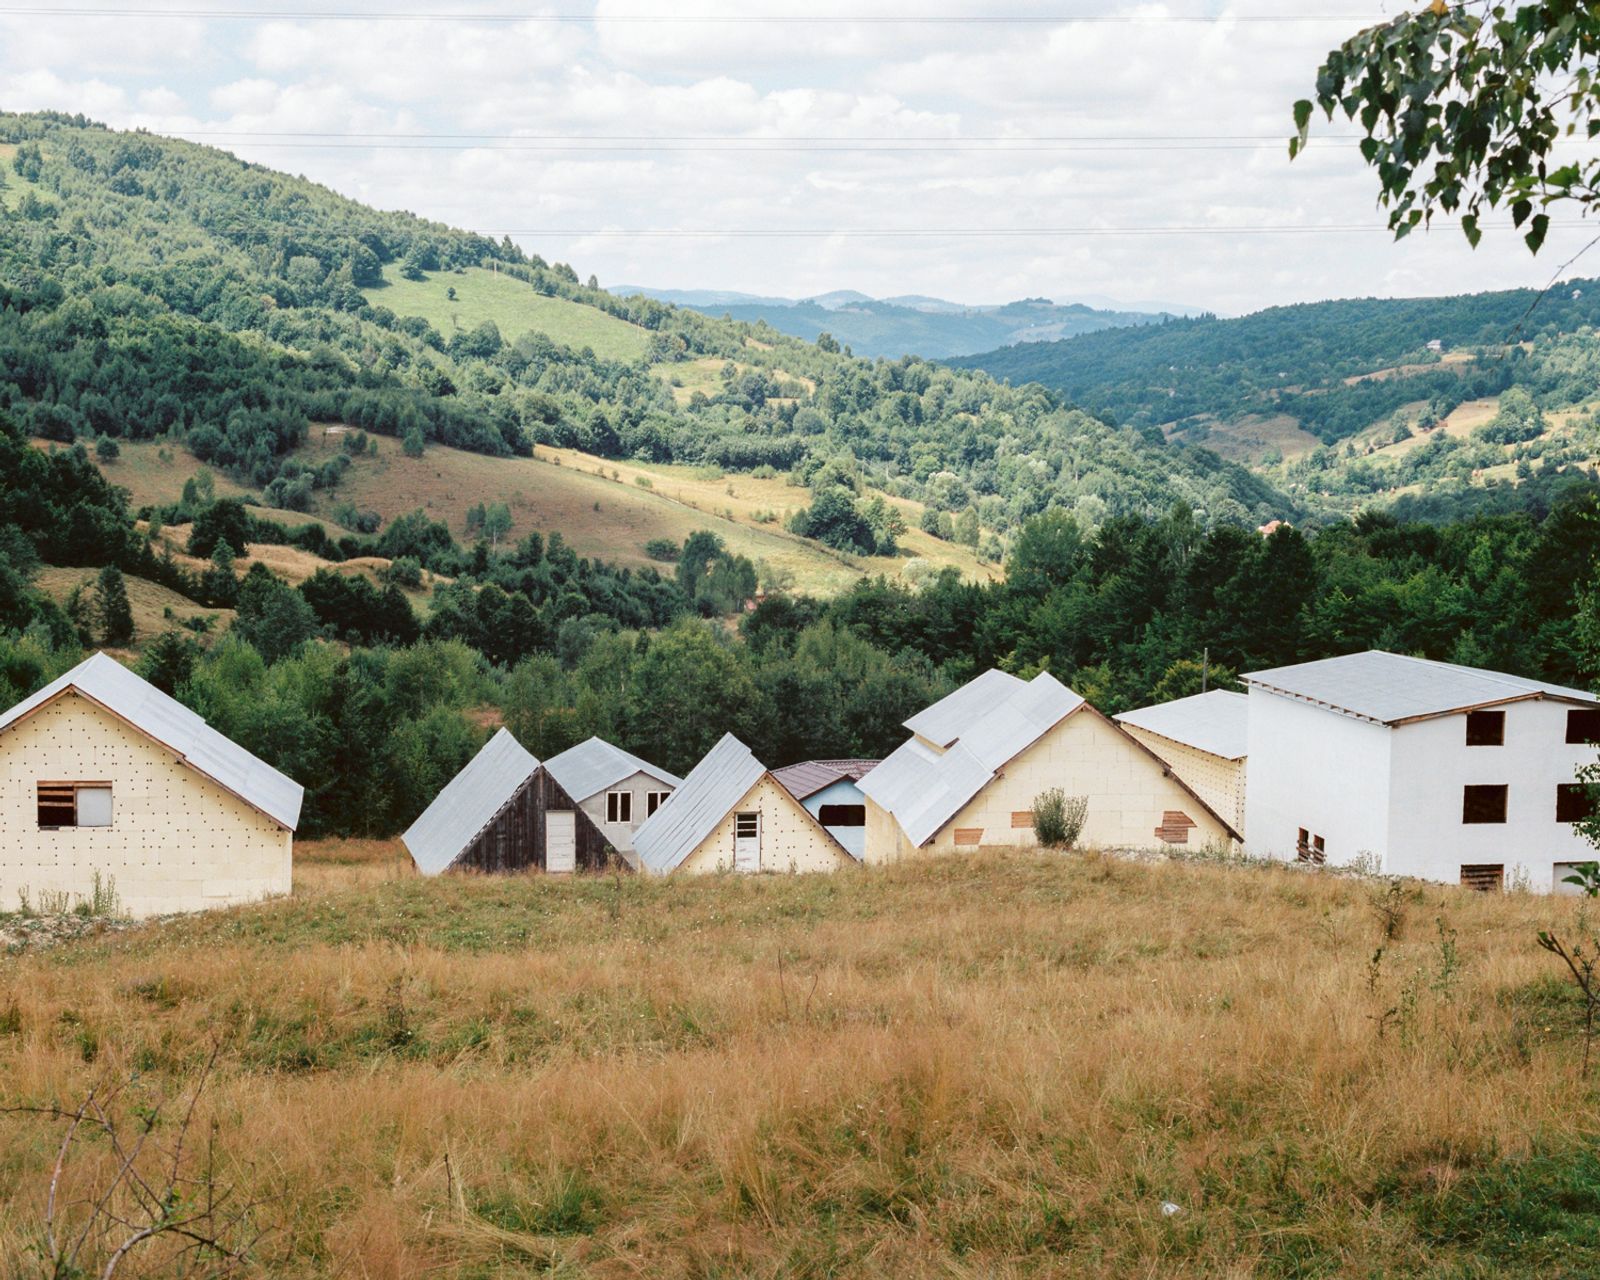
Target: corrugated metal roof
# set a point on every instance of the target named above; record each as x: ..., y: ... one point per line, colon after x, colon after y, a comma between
x: 692, y: 812
x: 804, y: 780
x: 1214, y: 722
x: 1391, y: 687
x: 945, y: 720
x: 106, y: 681
x: 924, y: 789
x: 467, y: 803
x: 592, y: 766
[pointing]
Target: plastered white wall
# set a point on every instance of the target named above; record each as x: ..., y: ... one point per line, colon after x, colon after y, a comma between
x: 791, y: 840
x: 177, y: 841
x: 620, y: 834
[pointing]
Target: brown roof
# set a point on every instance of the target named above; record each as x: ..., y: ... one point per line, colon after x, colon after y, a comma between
x: 811, y: 776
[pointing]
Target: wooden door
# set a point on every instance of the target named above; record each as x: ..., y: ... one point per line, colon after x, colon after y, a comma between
x: 560, y: 840
x: 747, y: 842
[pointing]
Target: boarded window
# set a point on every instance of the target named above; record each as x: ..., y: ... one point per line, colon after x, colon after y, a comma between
x: 1175, y: 827
x: 653, y: 800
x: 1483, y: 804
x: 1484, y: 877
x: 969, y: 835
x: 842, y: 815
x: 1583, y: 725
x: 1573, y: 802
x: 74, y: 804
x: 1311, y: 849
x: 1486, y: 728
x: 619, y: 806
x: 1021, y: 818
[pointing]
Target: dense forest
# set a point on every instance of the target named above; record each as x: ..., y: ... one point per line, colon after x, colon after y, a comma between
x: 1307, y: 361
x: 340, y: 684
x: 155, y: 288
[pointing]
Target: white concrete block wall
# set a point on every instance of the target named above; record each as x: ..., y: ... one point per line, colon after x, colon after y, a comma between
x: 791, y: 840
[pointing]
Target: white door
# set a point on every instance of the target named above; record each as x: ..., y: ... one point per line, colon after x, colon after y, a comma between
x: 747, y: 842
x: 560, y: 840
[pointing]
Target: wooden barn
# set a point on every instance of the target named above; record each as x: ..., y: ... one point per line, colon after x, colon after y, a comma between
x: 506, y: 813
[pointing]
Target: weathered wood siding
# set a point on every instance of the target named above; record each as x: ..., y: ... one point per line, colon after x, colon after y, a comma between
x: 514, y: 840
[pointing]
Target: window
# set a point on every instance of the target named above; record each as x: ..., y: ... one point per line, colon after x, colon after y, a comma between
x: 1483, y: 804
x: 653, y: 800
x: 746, y: 826
x: 619, y: 806
x: 969, y: 835
x: 1573, y: 802
x: 1310, y: 848
x: 74, y: 804
x: 842, y: 815
x: 1583, y: 726
x: 1484, y: 877
x: 1486, y: 728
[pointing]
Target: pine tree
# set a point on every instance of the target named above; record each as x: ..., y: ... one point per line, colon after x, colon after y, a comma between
x: 112, y: 611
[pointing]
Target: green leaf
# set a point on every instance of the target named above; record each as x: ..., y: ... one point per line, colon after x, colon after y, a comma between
x: 1536, y: 233
x: 1469, y: 224
x: 1520, y: 211
x: 1302, y: 117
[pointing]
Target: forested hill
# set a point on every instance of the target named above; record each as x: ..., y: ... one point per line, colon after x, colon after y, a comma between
x: 1313, y: 362
x: 151, y: 288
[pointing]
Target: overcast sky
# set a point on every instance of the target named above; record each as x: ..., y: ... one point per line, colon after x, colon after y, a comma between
x: 1144, y: 124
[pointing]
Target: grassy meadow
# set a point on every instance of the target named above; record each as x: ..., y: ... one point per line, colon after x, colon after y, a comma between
x: 1002, y: 1065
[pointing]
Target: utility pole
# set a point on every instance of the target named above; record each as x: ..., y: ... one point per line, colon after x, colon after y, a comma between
x: 1205, y: 667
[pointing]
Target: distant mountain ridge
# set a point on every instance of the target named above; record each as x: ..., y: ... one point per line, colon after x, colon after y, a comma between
x: 910, y: 324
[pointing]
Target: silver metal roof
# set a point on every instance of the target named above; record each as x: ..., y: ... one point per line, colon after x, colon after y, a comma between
x: 924, y: 788
x: 946, y: 720
x: 104, y: 680
x: 1390, y: 687
x: 692, y: 812
x: 467, y: 803
x: 590, y: 767
x: 1214, y: 722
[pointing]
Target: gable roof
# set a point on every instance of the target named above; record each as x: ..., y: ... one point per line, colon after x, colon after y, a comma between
x: 924, y: 788
x: 1213, y: 722
x: 692, y: 812
x: 1392, y: 688
x: 804, y: 780
x: 592, y: 766
x: 946, y: 720
x: 468, y: 802
x: 105, y: 681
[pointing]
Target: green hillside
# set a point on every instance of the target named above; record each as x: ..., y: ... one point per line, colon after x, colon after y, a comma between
x: 513, y: 306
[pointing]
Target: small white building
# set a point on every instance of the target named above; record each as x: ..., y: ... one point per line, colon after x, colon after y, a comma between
x: 1427, y: 769
x: 618, y: 790
x: 104, y: 778
x: 731, y: 814
x: 828, y: 790
x: 1205, y: 739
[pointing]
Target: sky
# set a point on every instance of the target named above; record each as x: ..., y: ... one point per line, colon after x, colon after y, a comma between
x: 976, y: 150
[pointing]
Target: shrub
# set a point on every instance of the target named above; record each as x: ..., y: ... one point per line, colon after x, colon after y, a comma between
x: 1058, y: 818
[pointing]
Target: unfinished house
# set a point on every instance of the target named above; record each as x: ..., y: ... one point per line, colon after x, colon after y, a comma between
x: 1204, y: 738
x: 105, y: 779
x: 618, y: 791
x: 979, y: 758
x: 731, y: 814
x: 1420, y: 768
x: 828, y: 789
x: 505, y: 813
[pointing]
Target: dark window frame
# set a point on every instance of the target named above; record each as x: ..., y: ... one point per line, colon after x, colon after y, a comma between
x: 1486, y: 728
x: 1583, y: 726
x: 1574, y: 802
x: 1485, y: 804
x: 842, y: 815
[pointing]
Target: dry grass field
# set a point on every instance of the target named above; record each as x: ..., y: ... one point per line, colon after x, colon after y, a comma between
x: 1003, y: 1065
x: 155, y: 608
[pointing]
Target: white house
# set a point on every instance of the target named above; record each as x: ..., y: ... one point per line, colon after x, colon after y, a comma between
x: 104, y: 777
x: 1431, y: 770
x: 618, y: 790
x: 978, y: 759
x: 828, y: 789
x: 1204, y: 738
x: 730, y: 814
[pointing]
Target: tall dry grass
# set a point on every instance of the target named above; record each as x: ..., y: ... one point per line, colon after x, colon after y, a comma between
x: 989, y: 1066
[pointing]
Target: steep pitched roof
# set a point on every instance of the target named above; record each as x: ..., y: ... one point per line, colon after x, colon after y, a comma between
x: 804, y: 780
x: 468, y: 802
x: 692, y: 812
x: 1391, y: 688
x: 946, y: 720
x: 592, y: 766
x: 1213, y: 722
x: 924, y: 788
x: 105, y: 681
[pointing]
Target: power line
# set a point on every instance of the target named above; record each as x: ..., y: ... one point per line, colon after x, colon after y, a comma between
x: 804, y: 149
x: 951, y: 232
x: 734, y: 137
x: 739, y: 19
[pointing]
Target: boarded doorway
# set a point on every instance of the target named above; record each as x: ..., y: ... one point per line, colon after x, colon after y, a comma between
x: 561, y: 840
x: 747, y: 842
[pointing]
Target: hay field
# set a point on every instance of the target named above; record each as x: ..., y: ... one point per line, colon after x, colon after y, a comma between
x: 1002, y: 1065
